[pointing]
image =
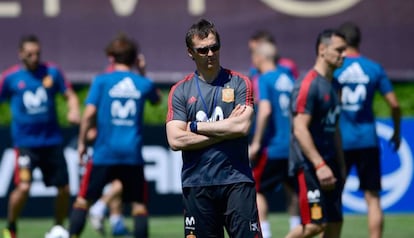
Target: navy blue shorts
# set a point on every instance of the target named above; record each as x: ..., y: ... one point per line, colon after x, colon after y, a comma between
x: 50, y: 160
x: 271, y: 173
x: 316, y: 205
x: 96, y: 177
x: 368, y: 167
x: 209, y: 209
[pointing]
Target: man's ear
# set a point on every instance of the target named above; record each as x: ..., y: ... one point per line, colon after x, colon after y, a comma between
x: 190, y: 54
x: 322, y: 49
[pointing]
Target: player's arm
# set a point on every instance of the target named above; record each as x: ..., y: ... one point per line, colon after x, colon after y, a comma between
x: 73, y: 106
x: 392, y: 101
x: 236, y: 125
x: 301, y: 131
x: 262, y: 118
x: 180, y: 137
x: 87, y: 122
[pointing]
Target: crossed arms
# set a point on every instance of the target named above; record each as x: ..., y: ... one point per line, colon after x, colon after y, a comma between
x: 208, y: 133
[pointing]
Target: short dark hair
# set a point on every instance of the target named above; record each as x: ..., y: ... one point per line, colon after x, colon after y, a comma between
x: 352, y: 33
x: 325, y: 36
x: 123, y: 49
x: 263, y: 35
x: 28, y: 38
x: 202, y: 29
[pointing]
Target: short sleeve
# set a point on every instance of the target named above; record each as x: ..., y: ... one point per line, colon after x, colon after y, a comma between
x: 61, y: 82
x: 244, y: 92
x: 263, y: 88
x: 384, y: 84
x: 177, y: 104
x: 153, y: 94
x: 305, y: 94
x: 4, y: 89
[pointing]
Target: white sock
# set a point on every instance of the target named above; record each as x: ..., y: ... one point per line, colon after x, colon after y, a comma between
x: 115, y: 218
x: 266, y: 232
x: 294, y: 221
x: 98, y: 209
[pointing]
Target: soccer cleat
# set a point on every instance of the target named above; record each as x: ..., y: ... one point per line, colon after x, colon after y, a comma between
x: 97, y: 223
x: 119, y: 229
x: 9, y: 234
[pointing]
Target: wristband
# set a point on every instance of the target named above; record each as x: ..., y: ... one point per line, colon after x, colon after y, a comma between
x: 193, y: 126
x: 320, y: 165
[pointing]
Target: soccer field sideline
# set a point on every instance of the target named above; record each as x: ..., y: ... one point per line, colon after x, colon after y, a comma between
x: 355, y: 226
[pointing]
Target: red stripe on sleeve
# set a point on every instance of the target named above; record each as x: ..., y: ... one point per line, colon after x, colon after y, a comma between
x: 170, y: 112
x: 249, y: 89
x: 304, y: 91
x: 303, y: 199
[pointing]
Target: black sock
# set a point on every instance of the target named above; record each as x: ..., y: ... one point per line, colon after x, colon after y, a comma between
x: 77, y: 221
x: 11, y: 226
x: 141, y: 226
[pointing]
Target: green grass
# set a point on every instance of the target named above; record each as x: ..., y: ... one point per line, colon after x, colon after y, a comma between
x: 355, y: 226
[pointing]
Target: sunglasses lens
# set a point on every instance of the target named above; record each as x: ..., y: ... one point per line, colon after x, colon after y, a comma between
x: 215, y: 47
x: 203, y: 50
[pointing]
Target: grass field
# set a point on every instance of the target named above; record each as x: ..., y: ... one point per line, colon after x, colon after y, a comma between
x: 355, y: 226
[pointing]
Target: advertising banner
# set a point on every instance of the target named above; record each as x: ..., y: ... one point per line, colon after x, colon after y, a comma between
x: 74, y: 33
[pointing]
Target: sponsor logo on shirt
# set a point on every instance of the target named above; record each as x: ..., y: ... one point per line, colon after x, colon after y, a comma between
x: 35, y: 102
x: 123, y: 112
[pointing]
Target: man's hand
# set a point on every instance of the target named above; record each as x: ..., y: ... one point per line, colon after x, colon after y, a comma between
x: 395, y: 141
x: 238, y: 110
x: 326, y: 178
x: 82, y: 153
x: 73, y: 117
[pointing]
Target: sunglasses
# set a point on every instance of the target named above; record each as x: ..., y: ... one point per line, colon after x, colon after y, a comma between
x: 205, y: 50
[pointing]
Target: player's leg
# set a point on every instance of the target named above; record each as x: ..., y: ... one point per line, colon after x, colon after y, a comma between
x: 135, y: 191
x: 241, y: 215
x: 292, y: 205
x: 312, y: 207
x: 55, y: 173
x: 261, y: 172
x: 369, y: 172
x: 91, y: 187
x: 202, y: 217
x: 111, y: 198
x: 25, y: 162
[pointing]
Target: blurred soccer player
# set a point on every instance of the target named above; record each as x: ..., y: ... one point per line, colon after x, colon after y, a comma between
x: 316, y: 156
x: 209, y: 115
x: 358, y: 79
x: 112, y: 196
x: 31, y: 88
x: 271, y: 165
x: 116, y: 101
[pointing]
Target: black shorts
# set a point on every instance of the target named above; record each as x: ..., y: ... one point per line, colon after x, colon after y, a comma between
x: 50, y: 160
x: 134, y: 186
x: 368, y: 167
x: 317, y: 205
x: 210, y: 208
x: 269, y: 173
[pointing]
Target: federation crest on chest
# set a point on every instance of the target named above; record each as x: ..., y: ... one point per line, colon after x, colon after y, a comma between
x: 227, y: 95
x: 47, y: 81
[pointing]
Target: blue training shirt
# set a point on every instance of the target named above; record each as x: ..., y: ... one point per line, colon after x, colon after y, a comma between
x: 276, y: 87
x: 358, y: 79
x: 119, y: 97
x: 32, y: 100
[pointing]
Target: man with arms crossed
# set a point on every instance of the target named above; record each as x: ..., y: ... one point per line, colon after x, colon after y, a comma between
x: 32, y: 87
x: 358, y: 79
x: 209, y: 116
x: 116, y: 102
x: 272, y: 120
x: 316, y: 156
